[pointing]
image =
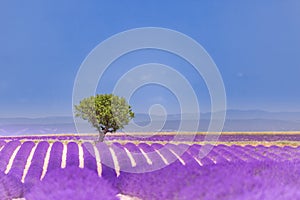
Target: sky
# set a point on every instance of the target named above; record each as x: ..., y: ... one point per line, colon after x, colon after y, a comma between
x: 255, y: 45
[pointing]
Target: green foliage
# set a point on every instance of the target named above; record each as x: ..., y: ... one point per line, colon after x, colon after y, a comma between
x: 105, y: 109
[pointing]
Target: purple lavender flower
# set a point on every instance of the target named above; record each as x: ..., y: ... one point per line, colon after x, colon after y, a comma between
x: 36, y: 167
x: 234, y: 181
x: 255, y: 181
x: 2, y: 143
x: 160, y: 184
x: 20, y: 160
x: 72, y: 183
x: 55, y: 156
x: 10, y: 187
x: 72, y: 155
x: 89, y: 156
x: 6, y: 153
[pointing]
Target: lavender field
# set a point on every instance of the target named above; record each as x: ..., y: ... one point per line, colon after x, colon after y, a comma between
x: 238, y: 167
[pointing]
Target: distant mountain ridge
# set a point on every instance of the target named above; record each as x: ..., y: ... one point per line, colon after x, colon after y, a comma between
x: 40, y: 120
x: 236, y: 120
x: 260, y: 114
x: 234, y: 114
x: 230, y: 115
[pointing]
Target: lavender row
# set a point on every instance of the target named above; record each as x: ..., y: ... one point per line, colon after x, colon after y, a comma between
x: 236, y: 181
x: 216, y: 154
x: 2, y: 143
x: 153, y: 155
x: 222, y: 181
x: 6, y: 153
x: 181, y: 171
x: 21, y: 159
x: 123, y: 160
x: 36, y: 168
x: 145, y: 156
x: 55, y: 156
x: 72, y: 154
x: 89, y: 156
x: 141, y: 161
x: 107, y: 162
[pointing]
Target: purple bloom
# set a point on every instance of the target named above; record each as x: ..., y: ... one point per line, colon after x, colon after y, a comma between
x: 236, y: 181
x: 72, y: 183
x: 89, y: 156
x: 160, y: 184
x: 36, y: 167
x: 20, y: 159
x: 264, y: 180
x: 55, y: 156
x: 72, y: 154
x: 10, y: 187
x: 6, y: 153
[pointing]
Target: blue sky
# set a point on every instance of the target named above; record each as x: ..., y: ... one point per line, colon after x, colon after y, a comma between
x: 255, y: 45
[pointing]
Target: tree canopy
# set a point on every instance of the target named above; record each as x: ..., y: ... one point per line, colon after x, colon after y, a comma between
x: 105, y: 112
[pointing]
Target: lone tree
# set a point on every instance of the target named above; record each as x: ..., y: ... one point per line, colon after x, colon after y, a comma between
x: 106, y: 112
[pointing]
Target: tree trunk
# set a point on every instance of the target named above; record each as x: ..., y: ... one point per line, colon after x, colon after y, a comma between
x: 101, y: 136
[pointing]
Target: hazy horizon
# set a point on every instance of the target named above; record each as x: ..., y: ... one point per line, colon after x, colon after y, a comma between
x: 235, y: 121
